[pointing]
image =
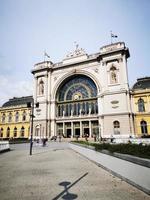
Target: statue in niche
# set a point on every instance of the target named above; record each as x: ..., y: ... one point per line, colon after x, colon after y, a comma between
x: 41, y: 88
x: 113, y: 75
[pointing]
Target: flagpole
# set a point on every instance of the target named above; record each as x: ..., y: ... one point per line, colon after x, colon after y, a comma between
x: 44, y: 55
x: 111, y: 37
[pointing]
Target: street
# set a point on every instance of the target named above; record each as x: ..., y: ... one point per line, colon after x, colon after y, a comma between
x: 57, y: 172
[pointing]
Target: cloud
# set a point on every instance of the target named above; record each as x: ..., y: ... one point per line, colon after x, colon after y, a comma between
x: 10, y: 87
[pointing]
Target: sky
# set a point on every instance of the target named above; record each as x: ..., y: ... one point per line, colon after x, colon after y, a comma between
x: 29, y: 27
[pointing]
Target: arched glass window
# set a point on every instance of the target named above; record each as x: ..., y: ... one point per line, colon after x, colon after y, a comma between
x: 8, y: 132
x: 16, y: 117
x: 15, y: 132
x: 24, y: 116
x: 41, y: 87
x: 3, y: 118
x: 75, y: 95
x: 10, y: 117
x: 1, y: 132
x: 22, y: 131
x: 113, y: 75
x: 116, y: 127
x: 141, y: 106
x: 144, y: 127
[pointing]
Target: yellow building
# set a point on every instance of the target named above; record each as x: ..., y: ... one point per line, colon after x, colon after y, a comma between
x: 141, y: 106
x: 15, y: 118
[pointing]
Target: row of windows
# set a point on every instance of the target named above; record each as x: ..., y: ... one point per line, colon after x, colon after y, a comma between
x: 16, y: 132
x: 143, y: 125
x: 76, y: 109
x: 10, y: 117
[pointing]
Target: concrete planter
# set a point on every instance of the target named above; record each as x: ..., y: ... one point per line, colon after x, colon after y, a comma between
x: 134, y: 174
x: 4, y: 146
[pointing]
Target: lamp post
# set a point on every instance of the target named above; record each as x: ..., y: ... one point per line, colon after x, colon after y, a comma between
x: 31, y: 105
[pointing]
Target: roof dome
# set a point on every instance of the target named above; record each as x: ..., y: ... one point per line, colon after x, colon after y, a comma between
x: 16, y: 101
x: 142, y: 83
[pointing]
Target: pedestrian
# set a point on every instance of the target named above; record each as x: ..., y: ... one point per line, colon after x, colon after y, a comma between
x: 55, y: 138
x: 44, y: 142
x: 59, y: 138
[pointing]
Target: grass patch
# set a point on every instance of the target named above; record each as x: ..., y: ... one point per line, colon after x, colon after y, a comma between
x: 131, y: 149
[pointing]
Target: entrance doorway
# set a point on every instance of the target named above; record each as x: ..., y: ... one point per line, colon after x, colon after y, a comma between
x: 86, y: 132
x: 77, y: 132
x: 68, y: 133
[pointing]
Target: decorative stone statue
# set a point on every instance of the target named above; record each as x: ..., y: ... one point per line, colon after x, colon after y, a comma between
x: 41, y: 88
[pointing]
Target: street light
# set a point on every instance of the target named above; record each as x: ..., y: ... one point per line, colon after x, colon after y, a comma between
x: 31, y: 105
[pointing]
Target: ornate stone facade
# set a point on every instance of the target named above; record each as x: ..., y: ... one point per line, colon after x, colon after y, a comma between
x: 141, y: 106
x: 84, y: 95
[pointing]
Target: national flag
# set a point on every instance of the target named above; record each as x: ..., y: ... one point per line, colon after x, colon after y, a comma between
x: 45, y: 54
x: 113, y: 36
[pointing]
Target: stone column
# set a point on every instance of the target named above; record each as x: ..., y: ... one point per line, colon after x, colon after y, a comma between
x: 63, y: 128
x: 148, y: 105
x: 81, y: 130
x: 72, y: 129
x: 90, y: 129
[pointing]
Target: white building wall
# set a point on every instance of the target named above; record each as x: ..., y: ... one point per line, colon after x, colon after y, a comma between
x: 113, y: 99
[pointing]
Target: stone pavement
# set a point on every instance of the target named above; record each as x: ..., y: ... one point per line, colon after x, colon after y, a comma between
x: 57, y: 172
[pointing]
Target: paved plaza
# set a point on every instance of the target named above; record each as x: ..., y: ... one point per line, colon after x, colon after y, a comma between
x: 57, y: 172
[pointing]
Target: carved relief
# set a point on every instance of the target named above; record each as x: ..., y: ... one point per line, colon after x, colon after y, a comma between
x: 77, y: 52
x: 96, y: 70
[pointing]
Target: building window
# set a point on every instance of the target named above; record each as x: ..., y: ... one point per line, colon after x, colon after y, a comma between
x: 144, y: 127
x: 41, y: 87
x: 1, y: 132
x: 24, y: 116
x: 3, y: 118
x: 77, y: 96
x: 113, y: 75
x: 116, y: 127
x: 17, y: 117
x: 15, y: 132
x: 8, y: 132
x: 22, y: 131
x: 10, y: 117
x: 141, y: 106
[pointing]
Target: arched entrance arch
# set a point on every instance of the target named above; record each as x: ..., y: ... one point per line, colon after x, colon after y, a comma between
x: 77, y: 107
x: 75, y: 73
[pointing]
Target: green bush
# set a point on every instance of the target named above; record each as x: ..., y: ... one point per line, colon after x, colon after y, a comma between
x: 132, y: 149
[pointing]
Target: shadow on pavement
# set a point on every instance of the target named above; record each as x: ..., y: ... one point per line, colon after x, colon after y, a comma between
x: 65, y: 194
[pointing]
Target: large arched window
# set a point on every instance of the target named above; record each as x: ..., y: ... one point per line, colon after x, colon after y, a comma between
x: 143, y: 127
x: 77, y: 96
x: 8, y: 132
x: 16, y: 117
x: 15, y: 132
x: 3, y: 118
x: 22, y: 131
x: 24, y: 116
x: 10, y: 117
x: 1, y: 132
x: 116, y: 125
x: 141, y: 106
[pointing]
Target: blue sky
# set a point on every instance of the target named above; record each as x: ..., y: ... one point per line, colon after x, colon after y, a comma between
x: 28, y: 27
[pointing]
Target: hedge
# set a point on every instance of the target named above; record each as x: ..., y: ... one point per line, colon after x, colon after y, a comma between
x: 138, y: 150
